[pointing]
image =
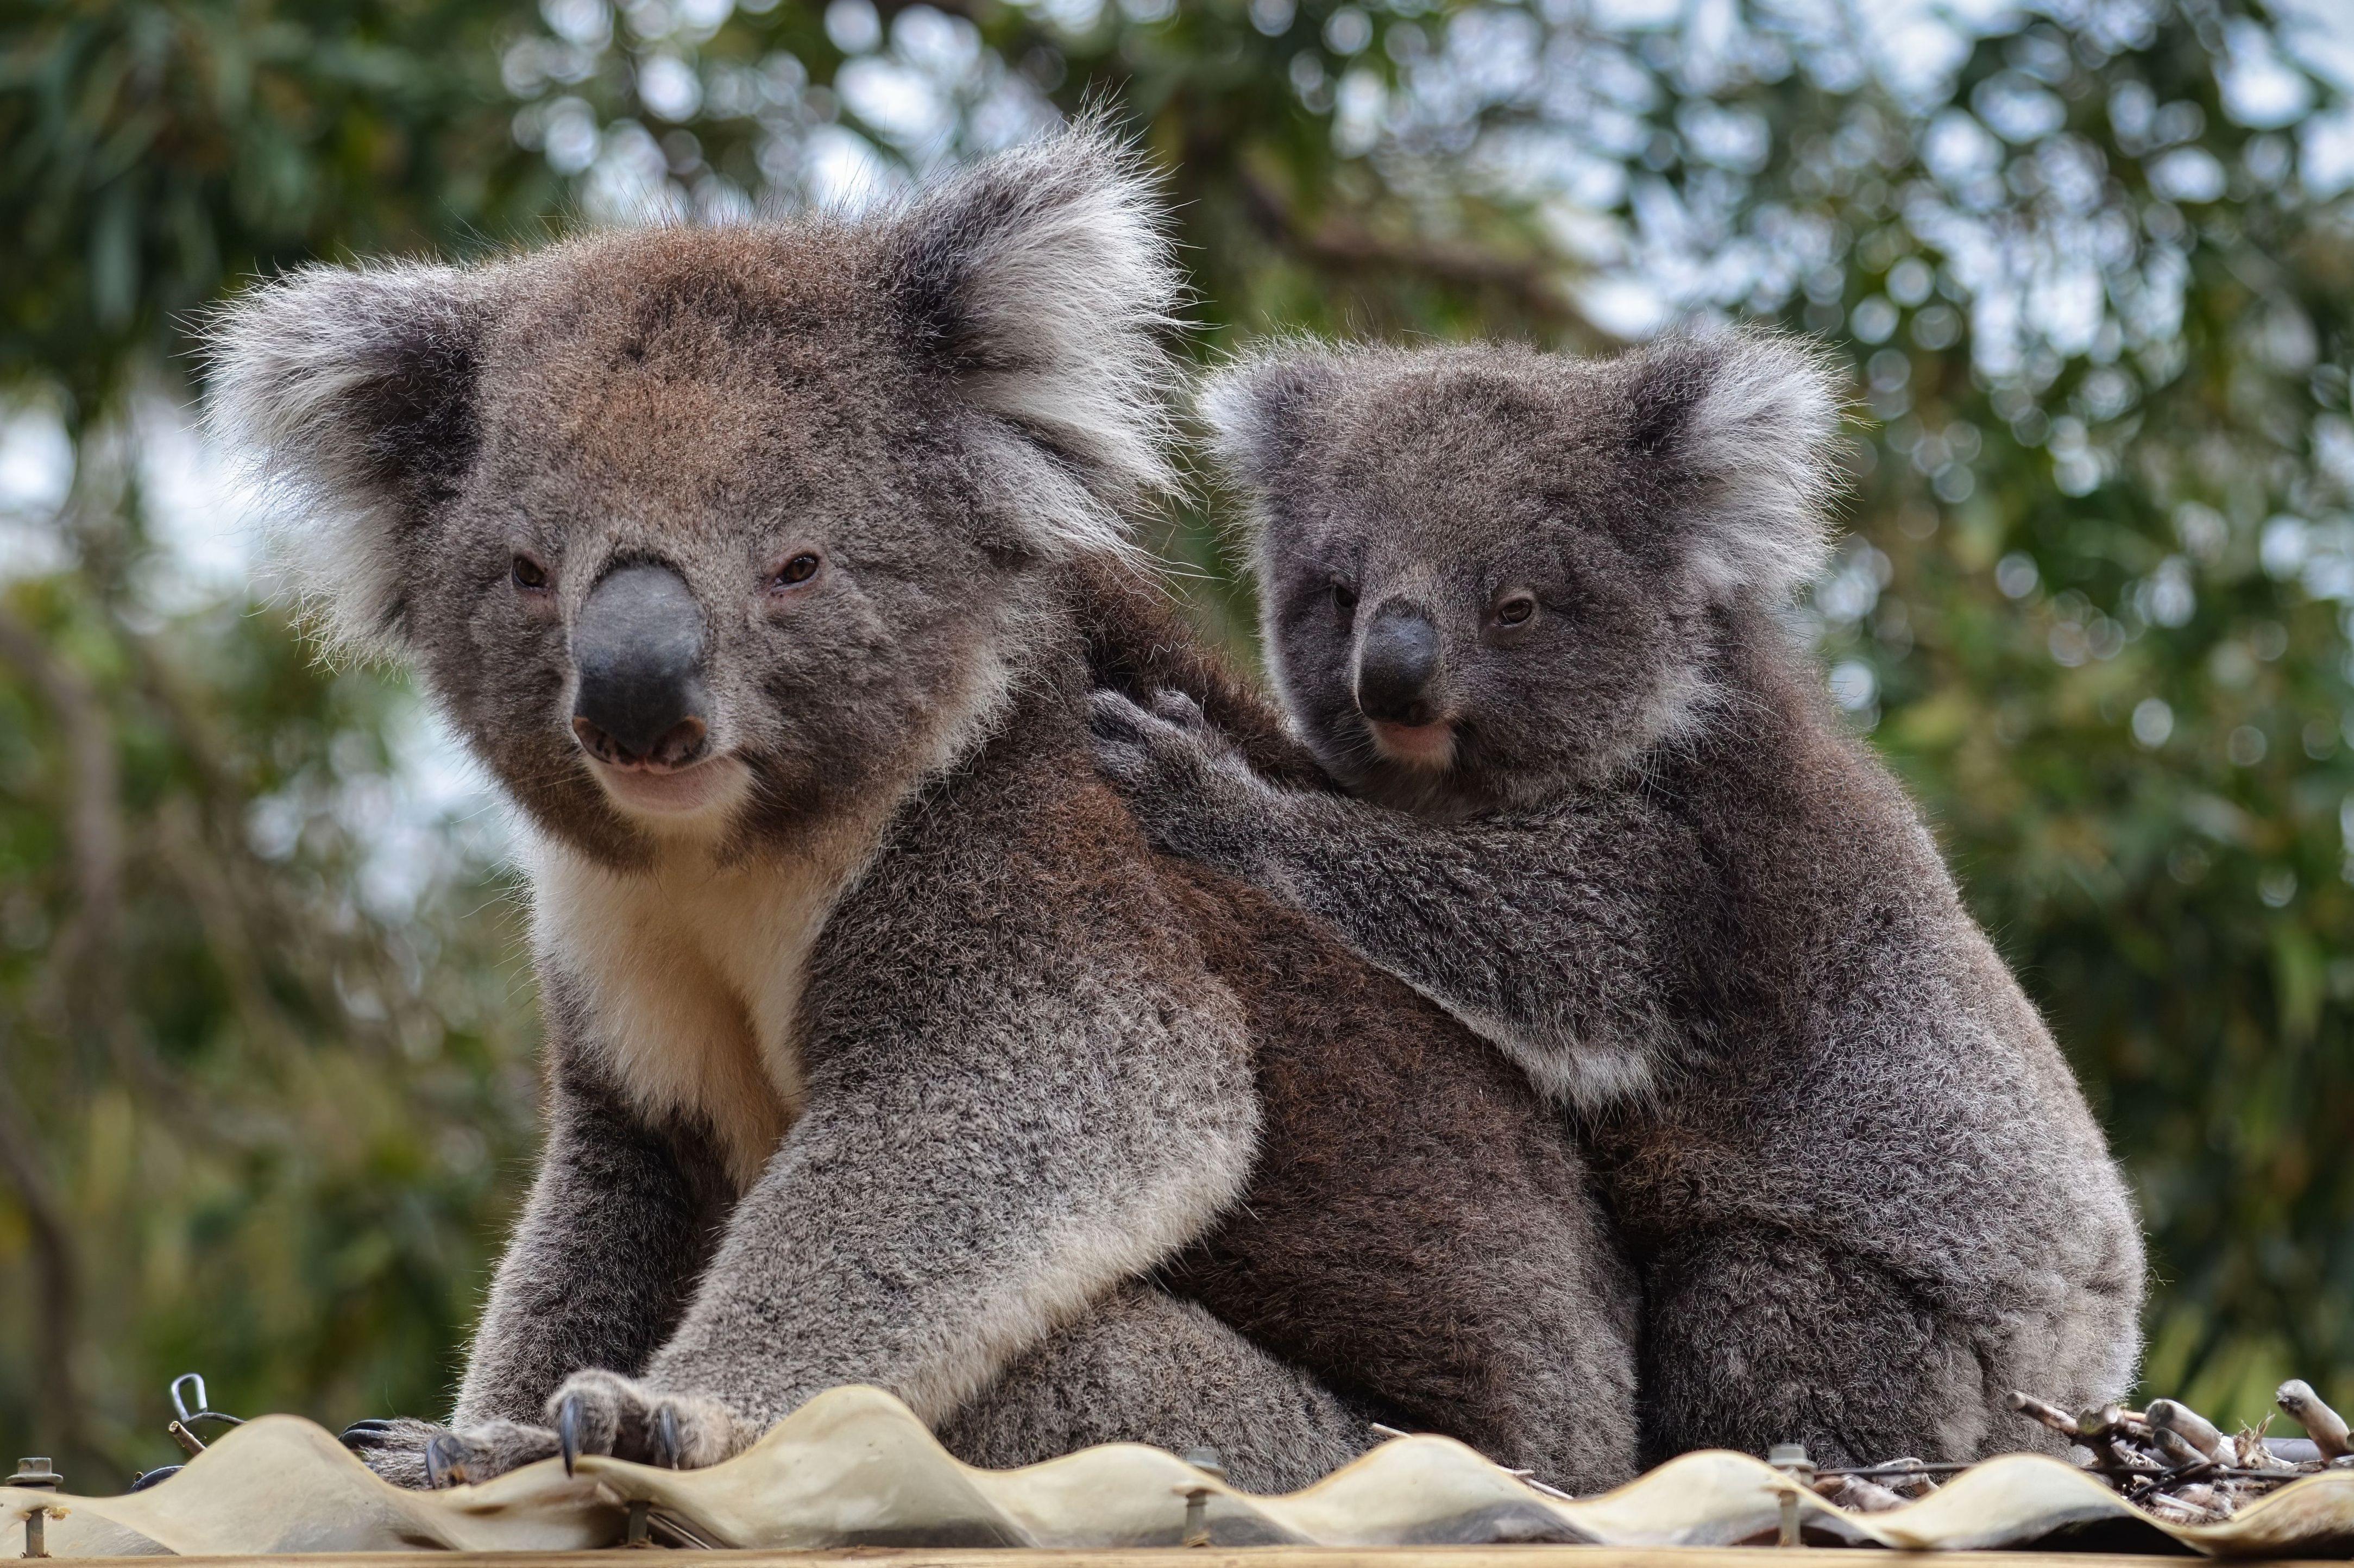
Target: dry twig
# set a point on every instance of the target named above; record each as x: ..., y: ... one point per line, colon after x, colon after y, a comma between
x: 2322, y: 1424
x: 2169, y: 1461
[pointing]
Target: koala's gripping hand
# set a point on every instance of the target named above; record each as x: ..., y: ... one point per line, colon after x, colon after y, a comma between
x: 592, y: 1413
x: 1193, y: 793
x: 605, y: 1413
x: 422, y: 1457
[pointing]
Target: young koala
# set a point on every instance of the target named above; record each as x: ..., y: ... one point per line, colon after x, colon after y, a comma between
x: 760, y: 565
x: 1523, y: 609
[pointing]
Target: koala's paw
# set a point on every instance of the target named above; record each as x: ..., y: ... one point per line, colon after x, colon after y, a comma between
x: 423, y: 1456
x: 1176, y: 771
x: 605, y: 1413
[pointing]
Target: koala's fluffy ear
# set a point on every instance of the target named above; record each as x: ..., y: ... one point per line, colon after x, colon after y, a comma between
x: 1259, y: 409
x: 1748, y: 417
x: 349, y: 394
x: 1042, y: 278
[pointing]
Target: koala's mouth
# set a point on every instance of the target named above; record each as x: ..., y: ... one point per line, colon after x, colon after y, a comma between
x: 1428, y: 745
x: 708, y: 788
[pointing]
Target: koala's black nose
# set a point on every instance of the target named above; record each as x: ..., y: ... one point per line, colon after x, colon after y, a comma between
x: 1396, y: 664
x: 638, y: 646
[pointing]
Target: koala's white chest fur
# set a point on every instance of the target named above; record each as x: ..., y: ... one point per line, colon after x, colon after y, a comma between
x: 694, y: 971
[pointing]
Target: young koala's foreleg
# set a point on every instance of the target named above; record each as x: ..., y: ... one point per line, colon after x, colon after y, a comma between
x: 1142, y: 1366
x: 1546, y: 933
x: 621, y: 1221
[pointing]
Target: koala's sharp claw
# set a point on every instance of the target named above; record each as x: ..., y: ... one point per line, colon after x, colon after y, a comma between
x: 445, y: 1461
x: 666, y: 1443
x: 568, y: 1430
x: 372, y: 1433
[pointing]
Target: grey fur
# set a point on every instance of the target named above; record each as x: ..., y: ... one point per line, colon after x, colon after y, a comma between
x: 1863, y: 1191
x: 880, y: 1048
x: 1180, y: 1379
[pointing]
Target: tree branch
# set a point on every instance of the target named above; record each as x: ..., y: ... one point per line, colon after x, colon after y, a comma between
x: 1343, y: 243
x: 57, y: 1328
x: 86, y: 953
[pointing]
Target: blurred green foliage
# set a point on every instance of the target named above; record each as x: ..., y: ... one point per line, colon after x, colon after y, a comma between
x: 157, y: 151
x: 250, y: 1121
x: 265, y: 1030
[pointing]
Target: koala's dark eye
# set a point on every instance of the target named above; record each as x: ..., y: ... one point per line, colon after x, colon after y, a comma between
x: 1344, y: 598
x: 797, y: 570
x: 529, y: 574
x: 1516, y: 611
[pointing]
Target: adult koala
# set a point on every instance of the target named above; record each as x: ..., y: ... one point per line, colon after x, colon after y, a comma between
x: 1527, y: 610
x: 760, y: 565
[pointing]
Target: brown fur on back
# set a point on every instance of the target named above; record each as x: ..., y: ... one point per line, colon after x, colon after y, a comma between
x: 1418, y: 1226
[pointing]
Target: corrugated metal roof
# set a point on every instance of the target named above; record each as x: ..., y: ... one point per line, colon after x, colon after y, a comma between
x: 855, y: 1467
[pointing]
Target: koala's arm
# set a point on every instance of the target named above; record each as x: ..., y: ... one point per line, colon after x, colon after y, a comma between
x: 620, y: 1220
x: 1550, y: 934
x: 1546, y: 937
x: 1015, y: 1099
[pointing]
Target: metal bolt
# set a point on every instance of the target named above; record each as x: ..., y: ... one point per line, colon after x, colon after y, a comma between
x: 1212, y: 1463
x: 1790, y: 1458
x: 640, y: 1508
x: 36, y: 1475
x: 1197, y: 1517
